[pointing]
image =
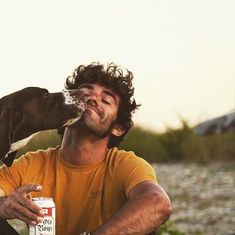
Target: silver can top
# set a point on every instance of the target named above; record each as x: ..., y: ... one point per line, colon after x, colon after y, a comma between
x: 42, y: 198
x: 44, y: 201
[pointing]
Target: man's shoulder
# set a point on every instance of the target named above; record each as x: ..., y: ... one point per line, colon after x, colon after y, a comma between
x: 120, y: 154
x: 120, y: 157
x: 129, y: 169
x: 40, y: 154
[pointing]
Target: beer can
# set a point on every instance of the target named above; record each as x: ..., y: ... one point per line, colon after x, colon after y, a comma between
x: 47, y: 226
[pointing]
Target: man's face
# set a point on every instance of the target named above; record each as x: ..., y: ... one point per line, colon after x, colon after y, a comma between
x: 101, y: 108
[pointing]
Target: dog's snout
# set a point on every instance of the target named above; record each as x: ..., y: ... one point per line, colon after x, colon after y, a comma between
x: 56, y: 99
x: 58, y: 96
x: 73, y: 96
x: 74, y: 108
x: 67, y: 104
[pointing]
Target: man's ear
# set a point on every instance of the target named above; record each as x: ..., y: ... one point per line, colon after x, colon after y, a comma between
x: 117, y: 130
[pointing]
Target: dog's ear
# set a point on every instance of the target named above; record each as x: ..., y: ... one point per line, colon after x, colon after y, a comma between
x: 6, y: 130
x: 17, y: 117
x: 9, y: 159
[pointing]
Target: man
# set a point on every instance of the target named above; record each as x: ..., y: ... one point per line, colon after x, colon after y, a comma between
x: 97, y: 188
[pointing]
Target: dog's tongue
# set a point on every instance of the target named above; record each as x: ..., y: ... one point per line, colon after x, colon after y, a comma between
x: 75, y: 97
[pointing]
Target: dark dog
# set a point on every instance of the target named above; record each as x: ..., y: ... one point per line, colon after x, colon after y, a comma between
x: 30, y: 110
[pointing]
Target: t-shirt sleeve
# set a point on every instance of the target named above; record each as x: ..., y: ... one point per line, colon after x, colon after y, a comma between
x: 133, y: 170
x: 12, y: 177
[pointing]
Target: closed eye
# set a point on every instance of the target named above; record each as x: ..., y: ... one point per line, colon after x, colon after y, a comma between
x: 106, y: 101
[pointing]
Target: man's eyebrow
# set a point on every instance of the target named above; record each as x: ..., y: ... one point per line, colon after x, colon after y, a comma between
x: 88, y: 86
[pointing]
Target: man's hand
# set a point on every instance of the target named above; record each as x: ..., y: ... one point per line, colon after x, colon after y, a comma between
x: 18, y: 205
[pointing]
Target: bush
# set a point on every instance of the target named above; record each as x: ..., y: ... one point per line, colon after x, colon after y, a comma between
x: 180, y: 145
x: 169, y: 228
x: 42, y: 140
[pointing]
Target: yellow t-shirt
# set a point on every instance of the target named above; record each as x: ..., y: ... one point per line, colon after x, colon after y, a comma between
x: 85, y: 196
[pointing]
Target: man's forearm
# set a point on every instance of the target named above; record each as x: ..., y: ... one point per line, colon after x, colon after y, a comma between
x: 2, y: 200
x: 140, y: 215
x: 5, y: 227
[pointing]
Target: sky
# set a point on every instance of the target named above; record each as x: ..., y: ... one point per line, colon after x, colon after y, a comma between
x: 181, y: 52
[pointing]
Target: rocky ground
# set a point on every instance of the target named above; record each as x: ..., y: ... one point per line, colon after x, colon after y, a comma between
x: 203, y: 196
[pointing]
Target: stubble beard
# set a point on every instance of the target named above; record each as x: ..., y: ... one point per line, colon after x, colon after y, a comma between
x: 100, y: 130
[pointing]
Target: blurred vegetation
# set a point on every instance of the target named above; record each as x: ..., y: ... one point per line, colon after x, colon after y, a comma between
x: 173, y: 145
x: 42, y: 140
x: 169, y: 228
x: 180, y: 144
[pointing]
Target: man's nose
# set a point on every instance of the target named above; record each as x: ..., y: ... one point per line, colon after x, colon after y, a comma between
x: 92, y: 100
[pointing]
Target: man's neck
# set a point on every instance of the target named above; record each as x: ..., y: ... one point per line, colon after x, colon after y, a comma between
x: 79, y: 148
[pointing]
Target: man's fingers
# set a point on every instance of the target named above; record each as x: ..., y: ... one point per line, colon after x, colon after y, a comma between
x: 23, y: 213
x: 18, y: 205
x: 14, y: 209
x: 30, y: 188
x: 25, y: 219
x: 28, y: 220
x: 26, y: 202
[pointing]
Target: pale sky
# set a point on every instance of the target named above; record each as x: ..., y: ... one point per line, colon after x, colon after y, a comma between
x: 182, y: 52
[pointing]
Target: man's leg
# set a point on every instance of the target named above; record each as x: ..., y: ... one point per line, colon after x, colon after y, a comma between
x: 7, y: 229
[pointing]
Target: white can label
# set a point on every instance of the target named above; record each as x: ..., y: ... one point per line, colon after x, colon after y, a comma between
x: 47, y: 226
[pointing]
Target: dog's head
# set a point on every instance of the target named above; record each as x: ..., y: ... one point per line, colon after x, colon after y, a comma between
x: 34, y: 109
x: 41, y: 110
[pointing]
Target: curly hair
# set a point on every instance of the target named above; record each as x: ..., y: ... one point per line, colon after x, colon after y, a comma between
x: 111, y: 77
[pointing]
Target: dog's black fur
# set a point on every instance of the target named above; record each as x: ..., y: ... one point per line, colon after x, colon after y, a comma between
x: 28, y: 111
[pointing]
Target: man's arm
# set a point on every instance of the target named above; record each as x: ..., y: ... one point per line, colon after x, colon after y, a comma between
x: 18, y: 205
x: 2, y: 199
x: 147, y: 208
